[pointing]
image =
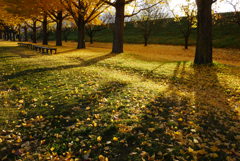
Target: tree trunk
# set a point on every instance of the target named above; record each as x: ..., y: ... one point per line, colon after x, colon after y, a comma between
x: 81, y: 35
x: 14, y: 36
x: 7, y: 35
x: 45, y: 32
x: 4, y: 35
x: 10, y: 35
x: 65, y: 38
x: 59, y: 29
x: 118, y: 27
x: 186, y: 38
x: 34, y: 34
x: 91, y: 38
x: 19, y: 34
x: 203, y: 53
x: 145, y: 41
x: 25, y: 34
x: 1, y: 36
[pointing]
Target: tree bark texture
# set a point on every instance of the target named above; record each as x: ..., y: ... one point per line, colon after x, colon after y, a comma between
x: 45, y: 30
x: 203, y: 53
x: 59, y: 29
x: 1, y: 34
x: 81, y: 34
x: 34, y: 34
x: 25, y: 34
x: 118, y: 27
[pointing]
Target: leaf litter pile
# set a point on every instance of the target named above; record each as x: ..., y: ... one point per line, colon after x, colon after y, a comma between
x: 89, y: 105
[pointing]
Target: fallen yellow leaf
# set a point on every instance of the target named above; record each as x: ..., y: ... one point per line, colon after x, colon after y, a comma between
x: 102, y: 158
x: 180, y: 119
x: 151, y: 129
x: 214, y: 148
x: 99, y: 138
x: 115, y: 139
x: 21, y: 101
x: 190, y: 150
x: 19, y: 140
x: 214, y: 155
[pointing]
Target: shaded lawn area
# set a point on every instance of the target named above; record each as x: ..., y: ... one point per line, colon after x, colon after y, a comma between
x: 89, y: 105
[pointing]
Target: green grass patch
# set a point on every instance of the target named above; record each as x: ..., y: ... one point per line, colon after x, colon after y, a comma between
x: 90, y: 105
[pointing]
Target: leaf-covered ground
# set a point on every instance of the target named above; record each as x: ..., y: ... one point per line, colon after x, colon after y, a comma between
x: 92, y: 105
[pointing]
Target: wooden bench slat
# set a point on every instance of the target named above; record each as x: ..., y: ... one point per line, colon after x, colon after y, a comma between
x: 38, y: 48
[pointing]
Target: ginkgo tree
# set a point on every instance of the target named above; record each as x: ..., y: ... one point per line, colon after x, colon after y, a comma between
x: 92, y: 28
x: 57, y: 13
x: 1, y: 29
x: 12, y: 27
x: 121, y: 14
x: 236, y: 7
x: 27, y: 10
x: 1, y: 22
x: 83, y: 12
x: 10, y: 23
x: 187, y: 21
x: 149, y: 18
x: 203, y: 54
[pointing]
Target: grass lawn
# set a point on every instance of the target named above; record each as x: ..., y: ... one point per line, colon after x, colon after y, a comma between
x: 149, y: 103
x: 168, y: 32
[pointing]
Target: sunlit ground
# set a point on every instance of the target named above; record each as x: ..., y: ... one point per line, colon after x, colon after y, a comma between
x: 149, y: 103
x: 158, y: 52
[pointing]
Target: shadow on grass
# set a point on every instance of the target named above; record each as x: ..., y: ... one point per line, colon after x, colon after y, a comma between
x: 6, y: 57
x: 159, y: 121
x: 147, y: 74
x: 82, y: 63
x: 178, y: 122
x: 22, y: 52
x: 68, y: 51
x: 214, y: 113
x: 63, y: 121
x: 168, y: 126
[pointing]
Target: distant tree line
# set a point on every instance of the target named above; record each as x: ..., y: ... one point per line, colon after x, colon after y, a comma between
x: 24, y: 19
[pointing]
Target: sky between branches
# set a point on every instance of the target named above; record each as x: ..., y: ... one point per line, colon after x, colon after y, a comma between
x: 219, y: 7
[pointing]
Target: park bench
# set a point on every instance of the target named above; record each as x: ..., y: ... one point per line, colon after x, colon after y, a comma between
x: 43, y: 49
x: 47, y: 49
x: 22, y: 44
x: 40, y: 49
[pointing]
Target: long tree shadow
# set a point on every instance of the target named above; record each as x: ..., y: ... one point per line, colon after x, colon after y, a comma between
x: 82, y: 63
x: 68, y: 51
x: 69, y: 120
x: 205, y: 129
x: 5, y: 57
x: 147, y: 74
x: 22, y: 52
x: 214, y: 114
x: 159, y: 123
x: 96, y: 60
